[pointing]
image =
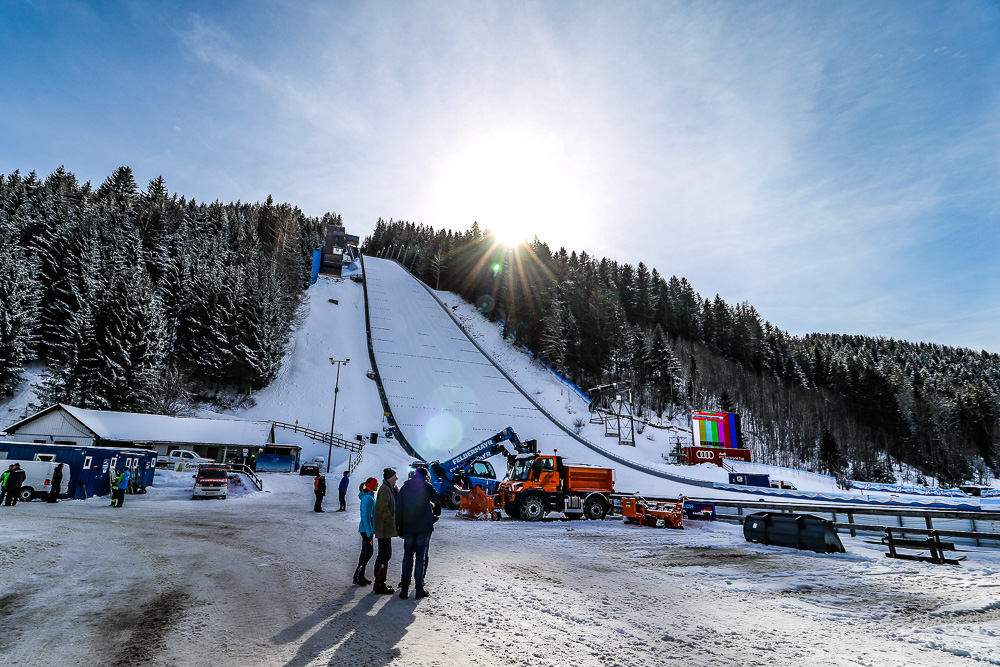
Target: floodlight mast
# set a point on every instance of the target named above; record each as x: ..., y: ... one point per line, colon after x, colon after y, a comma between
x: 333, y: 421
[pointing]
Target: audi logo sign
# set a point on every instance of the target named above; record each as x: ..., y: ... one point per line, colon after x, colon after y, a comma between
x: 702, y: 454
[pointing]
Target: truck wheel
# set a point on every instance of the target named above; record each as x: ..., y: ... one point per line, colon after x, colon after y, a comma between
x: 594, y: 508
x: 25, y: 494
x: 454, y: 499
x: 532, y: 508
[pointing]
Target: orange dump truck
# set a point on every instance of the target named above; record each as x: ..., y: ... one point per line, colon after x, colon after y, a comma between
x: 542, y: 483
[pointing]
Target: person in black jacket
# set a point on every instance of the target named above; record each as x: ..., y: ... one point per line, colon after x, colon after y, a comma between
x: 417, y: 508
x: 319, y: 488
x: 15, y: 480
x: 56, y: 483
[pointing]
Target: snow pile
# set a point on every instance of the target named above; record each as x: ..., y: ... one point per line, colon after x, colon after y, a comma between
x: 979, y: 641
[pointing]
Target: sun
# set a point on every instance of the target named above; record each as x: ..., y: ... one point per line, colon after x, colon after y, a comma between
x: 516, y: 185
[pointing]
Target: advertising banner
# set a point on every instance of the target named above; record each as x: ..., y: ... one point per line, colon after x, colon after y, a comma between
x: 716, y: 455
x: 699, y: 511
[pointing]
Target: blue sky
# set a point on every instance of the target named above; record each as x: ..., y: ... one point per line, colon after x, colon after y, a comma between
x: 834, y: 164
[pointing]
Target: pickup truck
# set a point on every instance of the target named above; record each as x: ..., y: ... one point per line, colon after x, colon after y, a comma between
x: 187, y: 457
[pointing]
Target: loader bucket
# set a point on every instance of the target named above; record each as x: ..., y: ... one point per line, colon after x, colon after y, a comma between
x: 476, y: 505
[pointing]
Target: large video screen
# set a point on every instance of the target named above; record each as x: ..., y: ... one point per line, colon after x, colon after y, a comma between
x: 716, y: 429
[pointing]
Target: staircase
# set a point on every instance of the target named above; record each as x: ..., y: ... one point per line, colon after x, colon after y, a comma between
x: 319, y: 436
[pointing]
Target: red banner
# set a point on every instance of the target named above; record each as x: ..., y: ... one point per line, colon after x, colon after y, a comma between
x: 716, y: 455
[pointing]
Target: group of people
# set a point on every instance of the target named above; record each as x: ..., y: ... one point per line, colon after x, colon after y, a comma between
x: 12, y: 479
x: 408, y: 513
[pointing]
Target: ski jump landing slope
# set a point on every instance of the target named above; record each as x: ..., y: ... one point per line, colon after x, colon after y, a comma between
x: 446, y: 395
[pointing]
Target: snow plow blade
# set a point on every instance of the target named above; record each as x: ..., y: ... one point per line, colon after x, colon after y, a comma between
x: 656, y: 513
x: 476, y: 505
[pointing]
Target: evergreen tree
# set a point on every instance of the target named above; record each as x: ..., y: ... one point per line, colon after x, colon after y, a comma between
x: 553, y: 341
x: 831, y: 460
x: 20, y: 295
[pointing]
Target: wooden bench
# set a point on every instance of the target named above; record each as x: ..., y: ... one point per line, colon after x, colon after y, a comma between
x: 931, y: 543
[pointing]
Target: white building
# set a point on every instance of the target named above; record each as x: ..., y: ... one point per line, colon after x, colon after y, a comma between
x: 217, y: 439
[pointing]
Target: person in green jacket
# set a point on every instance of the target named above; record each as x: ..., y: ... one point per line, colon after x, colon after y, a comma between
x: 3, y: 483
x: 385, y: 529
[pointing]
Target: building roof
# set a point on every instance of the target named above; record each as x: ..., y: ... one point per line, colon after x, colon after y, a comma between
x: 137, y: 427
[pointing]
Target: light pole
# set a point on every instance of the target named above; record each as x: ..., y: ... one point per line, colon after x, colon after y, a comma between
x: 333, y: 422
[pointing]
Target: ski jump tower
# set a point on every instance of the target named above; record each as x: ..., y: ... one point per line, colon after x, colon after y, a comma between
x: 611, y: 405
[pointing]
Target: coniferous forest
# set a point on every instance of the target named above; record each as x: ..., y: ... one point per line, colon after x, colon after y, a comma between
x: 140, y: 300
x: 851, y: 406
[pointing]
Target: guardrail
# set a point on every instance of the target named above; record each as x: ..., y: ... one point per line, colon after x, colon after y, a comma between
x: 958, y: 519
x: 243, y: 470
x: 326, y: 438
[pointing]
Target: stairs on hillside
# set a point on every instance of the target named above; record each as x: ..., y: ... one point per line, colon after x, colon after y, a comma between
x: 319, y: 436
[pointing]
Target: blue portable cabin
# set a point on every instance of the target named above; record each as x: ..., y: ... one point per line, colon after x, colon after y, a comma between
x: 89, y: 467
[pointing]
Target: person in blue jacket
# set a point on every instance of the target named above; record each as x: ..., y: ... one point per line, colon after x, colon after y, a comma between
x: 118, y: 487
x: 366, y: 528
x: 342, y: 489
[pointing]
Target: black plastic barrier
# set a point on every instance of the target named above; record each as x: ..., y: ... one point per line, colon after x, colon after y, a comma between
x: 807, y: 532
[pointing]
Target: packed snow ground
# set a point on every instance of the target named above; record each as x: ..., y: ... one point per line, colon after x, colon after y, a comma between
x: 261, y: 579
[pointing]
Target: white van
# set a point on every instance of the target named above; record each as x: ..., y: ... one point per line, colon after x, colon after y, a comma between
x: 37, y: 477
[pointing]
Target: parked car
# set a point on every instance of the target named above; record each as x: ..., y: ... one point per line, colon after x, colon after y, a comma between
x: 781, y: 484
x: 311, y: 469
x: 212, y: 481
x: 185, y: 456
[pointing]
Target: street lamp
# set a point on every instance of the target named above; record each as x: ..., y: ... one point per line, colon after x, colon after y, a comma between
x: 333, y: 422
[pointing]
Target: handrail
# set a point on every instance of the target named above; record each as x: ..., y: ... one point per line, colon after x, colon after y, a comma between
x: 244, y: 470
x: 326, y: 438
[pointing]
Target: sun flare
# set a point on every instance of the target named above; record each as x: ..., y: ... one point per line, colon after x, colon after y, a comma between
x: 515, y: 185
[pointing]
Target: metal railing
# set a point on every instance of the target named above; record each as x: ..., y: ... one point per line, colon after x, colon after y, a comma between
x: 951, y: 523
x: 243, y: 470
x: 319, y: 436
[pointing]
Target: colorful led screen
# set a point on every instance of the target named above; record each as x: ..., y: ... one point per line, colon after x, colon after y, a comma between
x: 716, y: 429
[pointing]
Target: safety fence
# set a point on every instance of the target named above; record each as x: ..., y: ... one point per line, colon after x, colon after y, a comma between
x: 981, y: 528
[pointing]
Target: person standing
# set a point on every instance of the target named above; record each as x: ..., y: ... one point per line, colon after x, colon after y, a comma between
x: 366, y: 528
x: 342, y: 489
x: 417, y: 508
x: 319, y: 488
x: 385, y: 529
x: 15, y: 480
x: 56, y: 483
x: 118, y: 487
x: 3, y: 482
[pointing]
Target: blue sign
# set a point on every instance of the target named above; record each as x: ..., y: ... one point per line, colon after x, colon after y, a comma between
x: 699, y: 511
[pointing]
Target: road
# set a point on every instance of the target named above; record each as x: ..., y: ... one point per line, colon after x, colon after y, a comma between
x: 262, y: 580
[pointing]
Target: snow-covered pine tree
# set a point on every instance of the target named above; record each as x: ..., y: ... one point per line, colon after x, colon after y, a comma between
x: 553, y: 337
x: 20, y: 295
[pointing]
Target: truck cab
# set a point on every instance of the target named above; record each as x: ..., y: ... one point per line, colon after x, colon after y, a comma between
x: 539, y: 484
